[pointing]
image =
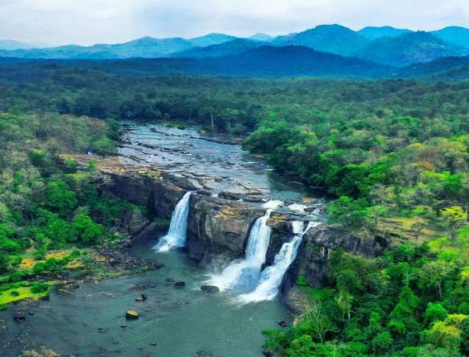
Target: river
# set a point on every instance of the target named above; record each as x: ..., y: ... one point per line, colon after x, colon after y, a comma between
x: 181, y: 322
x: 90, y: 321
x: 209, y: 162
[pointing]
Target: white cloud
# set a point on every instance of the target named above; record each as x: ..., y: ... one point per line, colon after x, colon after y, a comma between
x: 97, y: 21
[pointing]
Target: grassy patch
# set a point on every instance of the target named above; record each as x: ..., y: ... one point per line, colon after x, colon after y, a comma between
x: 10, y: 296
x: 404, y: 226
x: 29, y: 262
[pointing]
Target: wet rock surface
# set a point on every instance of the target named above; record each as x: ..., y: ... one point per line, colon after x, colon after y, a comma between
x: 119, y: 259
x: 132, y: 315
x: 209, y: 289
x: 180, y: 285
x: 19, y: 316
x: 141, y: 297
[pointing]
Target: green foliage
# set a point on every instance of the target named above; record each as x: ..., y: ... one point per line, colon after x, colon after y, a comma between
x: 435, y: 312
x: 382, y: 343
x: 59, y: 198
x: 3, y: 263
x: 87, y: 231
x: 39, y: 268
x: 455, y: 218
x: 60, y: 231
x: 405, y: 303
x: 104, y: 146
x: 40, y: 203
x: 390, y: 147
x: 38, y: 288
x: 348, y: 212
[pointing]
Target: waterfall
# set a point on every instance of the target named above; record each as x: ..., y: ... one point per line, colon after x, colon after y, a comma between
x: 176, y: 236
x: 272, y: 276
x: 298, y: 227
x: 273, y: 204
x: 244, y: 274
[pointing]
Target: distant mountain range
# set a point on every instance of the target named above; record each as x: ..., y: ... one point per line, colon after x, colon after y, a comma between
x: 16, y: 45
x: 220, y: 50
x: 260, y: 61
x: 409, y: 48
x: 287, y: 61
x: 378, y: 49
x: 334, y: 39
x: 373, y: 33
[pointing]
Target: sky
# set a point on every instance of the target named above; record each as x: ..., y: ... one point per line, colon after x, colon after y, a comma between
x: 87, y: 22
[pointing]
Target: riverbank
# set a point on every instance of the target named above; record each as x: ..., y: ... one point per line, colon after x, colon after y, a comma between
x: 89, y: 319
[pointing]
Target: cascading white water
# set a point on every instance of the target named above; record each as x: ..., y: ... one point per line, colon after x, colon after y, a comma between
x: 273, y: 204
x: 176, y: 237
x: 244, y: 274
x: 298, y: 227
x: 272, y: 276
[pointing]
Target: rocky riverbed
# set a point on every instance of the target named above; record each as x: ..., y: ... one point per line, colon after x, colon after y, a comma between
x: 210, y: 163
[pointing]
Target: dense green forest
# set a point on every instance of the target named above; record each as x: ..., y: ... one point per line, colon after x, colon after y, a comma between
x: 389, y: 150
x: 47, y: 203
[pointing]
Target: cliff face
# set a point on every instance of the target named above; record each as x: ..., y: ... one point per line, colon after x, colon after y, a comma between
x: 321, y: 241
x: 157, y: 194
x: 215, y: 227
x: 313, y: 261
x: 218, y: 229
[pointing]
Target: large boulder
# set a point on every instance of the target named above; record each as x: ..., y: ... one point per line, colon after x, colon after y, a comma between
x: 180, y: 285
x: 132, y: 315
x: 210, y: 289
x: 219, y: 226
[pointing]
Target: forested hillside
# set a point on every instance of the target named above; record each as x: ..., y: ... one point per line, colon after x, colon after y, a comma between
x: 49, y: 209
x: 394, y: 154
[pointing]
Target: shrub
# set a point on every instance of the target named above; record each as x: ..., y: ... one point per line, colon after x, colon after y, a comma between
x: 88, y: 231
x: 38, y: 288
x: 40, y: 252
x: 3, y: 263
x: 17, y: 277
x: 39, y: 268
x: 16, y: 260
x: 52, y: 264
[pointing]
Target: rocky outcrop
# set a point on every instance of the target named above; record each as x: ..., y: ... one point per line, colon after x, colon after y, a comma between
x: 281, y: 233
x: 320, y: 242
x: 314, y: 257
x: 156, y: 193
x: 218, y: 228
